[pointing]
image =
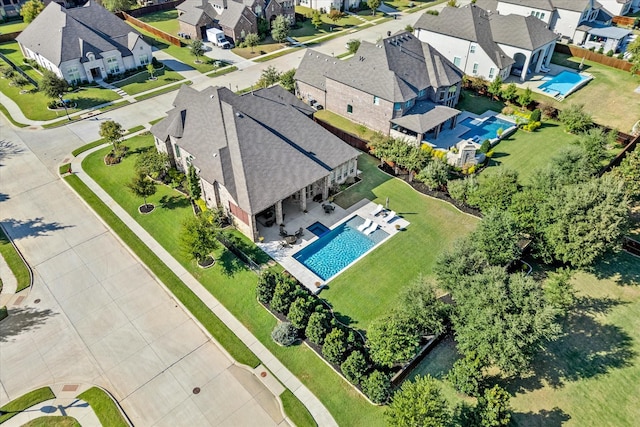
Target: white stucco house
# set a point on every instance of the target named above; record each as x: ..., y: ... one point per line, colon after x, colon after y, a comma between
x: 85, y: 43
x: 488, y: 44
x: 327, y: 5
x: 617, y: 7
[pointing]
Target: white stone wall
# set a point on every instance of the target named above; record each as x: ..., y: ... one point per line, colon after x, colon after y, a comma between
x: 41, y: 60
x: 566, y: 22
x: 615, y: 7
x: 508, y: 9
x: 327, y: 5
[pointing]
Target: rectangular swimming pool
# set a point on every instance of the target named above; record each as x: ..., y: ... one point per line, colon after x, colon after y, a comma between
x: 487, y: 129
x: 338, y: 249
x: 562, y: 83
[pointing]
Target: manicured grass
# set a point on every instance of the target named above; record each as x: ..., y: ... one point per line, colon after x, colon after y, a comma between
x: 347, y: 21
x: 162, y: 91
x: 164, y: 20
x: 229, y: 281
x: 141, y: 82
x: 277, y: 54
x: 53, y: 421
x: 609, y: 97
x: 412, y: 4
x: 299, y: 413
x: 222, y: 72
x: 370, y: 288
x: 4, y: 111
x: 12, y: 51
x: 478, y: 104
x: 345, y: 124
x: 15, y: 262
x: 105, y: 408
x: 135, y: 129
x: 62, y: 169
x: 268, y: 45
x: 12, y: 27
x: 25, y: 401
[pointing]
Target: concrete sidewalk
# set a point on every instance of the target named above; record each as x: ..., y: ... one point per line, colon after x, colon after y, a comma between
x: 313, y: 404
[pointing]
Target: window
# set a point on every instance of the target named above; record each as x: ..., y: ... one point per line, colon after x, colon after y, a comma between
x: 475, y: 68
x: 472, y: 48
x: 441, y: 95
x: 407, y: 104
x: 144, y: 59
x: 376, y: 100
x: 353, y: 168
x: 492, y: 72
x: 421, y: 93
x: 542, y: 15
x: 397, y: 106
x: 456, y: 61
x: 177, y: 150
x: 349, y: 108
x: 112, y: 65
x: 73, y: 75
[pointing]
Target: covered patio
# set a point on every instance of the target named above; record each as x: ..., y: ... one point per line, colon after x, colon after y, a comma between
x: 605, y: 38
x: 424, y: 121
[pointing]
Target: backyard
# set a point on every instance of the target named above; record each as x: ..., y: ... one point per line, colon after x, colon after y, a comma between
x: 140, y: 82
x: 12, y: 26
x: 164, y: 20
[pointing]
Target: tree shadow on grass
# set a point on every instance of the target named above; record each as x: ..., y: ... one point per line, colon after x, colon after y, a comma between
x: 35, y: 227
x: 21, y: 320
x: 622, y: 268
x: 230, y: 264
x: 553, y: 418
x: 587, y: 348
x: 173, y: 202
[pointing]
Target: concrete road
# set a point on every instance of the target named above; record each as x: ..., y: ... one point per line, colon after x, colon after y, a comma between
x: 96, y: 315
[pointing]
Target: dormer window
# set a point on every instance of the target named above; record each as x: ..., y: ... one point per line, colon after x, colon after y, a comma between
x: 91, y: 56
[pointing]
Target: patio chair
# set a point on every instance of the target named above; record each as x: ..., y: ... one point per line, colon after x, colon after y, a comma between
x: 299, y: 233
x: 377, y: 210
x: 388, y: 217
x: 371, y: 229
x: 328, y: 208
x: 367, y: 223
x: 283, y: 232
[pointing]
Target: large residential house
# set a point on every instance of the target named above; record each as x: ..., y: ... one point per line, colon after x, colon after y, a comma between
x: 253, y: 152
x: 399, y: 86
x: 236, y: 18
x: 326, y: 5
x: 617, y: 7
x: 572, y: 19
x: 85, y: 43
x: 488, y: 45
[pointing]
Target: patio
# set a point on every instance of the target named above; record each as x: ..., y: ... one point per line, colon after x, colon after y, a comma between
x: 537, y: 79
x: 274, y: 244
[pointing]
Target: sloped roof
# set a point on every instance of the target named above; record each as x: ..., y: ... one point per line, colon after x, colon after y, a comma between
x: 262, y: 150
x: 424, y: 116
x: 231, y: 14
x: 527, y: 32
x: 534, y: 4
x: 61, y: 34
x: 574, y: 5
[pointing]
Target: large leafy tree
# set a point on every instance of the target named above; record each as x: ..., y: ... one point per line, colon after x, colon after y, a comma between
x: 497, y: 238
x: 31, y: 9
x: 143, y: 187
x: 419, y: 403
x: 634, y: 49
x: 495, y: 87
x: 197, y: 49
x: 118, y: 5
x: 595, y: 142
x: 353, y: 45
x: 374, y: 5
x: 198, y: 237
x: 496, y: 191
x: 316, y: 19
x: 288, y: 81
x: 575, y: 119
x: 420, y: 302
x: 268, y: 77
x: 280, y: 29
x: 52, y: 85
x: 393, y: 338
x: 252, y: 40
x: 629, y: 173
x: 493, y: 408
x: 454, y: 265
x: 502, y: 318
x: 435, y: 174
x: 112, y: 132
x: 335, y: 15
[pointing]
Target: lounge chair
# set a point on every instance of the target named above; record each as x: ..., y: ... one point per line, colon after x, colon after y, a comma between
x: 299, y: 233
x: 377, y: 210
x: 371, y: 229
x: 365, y: 225
x: 388, y: 217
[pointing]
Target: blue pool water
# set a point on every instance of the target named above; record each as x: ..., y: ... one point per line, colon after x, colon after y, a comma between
x: 488, y: 129
x: 318, y: 228
x: 338, y: 248
x: 562, y: 83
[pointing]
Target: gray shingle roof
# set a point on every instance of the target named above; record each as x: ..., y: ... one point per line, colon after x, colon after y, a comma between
x: 261, y: 150
x: 284, y: 97
x: 424, y: 116
x: 231, y: 15
x: 61, y: 34
x: 402, y: 66
x: 527, y: 32
x: 468, y: 23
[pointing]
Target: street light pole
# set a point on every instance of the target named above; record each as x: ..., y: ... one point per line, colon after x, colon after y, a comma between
x: 64, y: 104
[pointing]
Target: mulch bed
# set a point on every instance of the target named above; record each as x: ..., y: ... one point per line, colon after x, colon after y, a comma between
x: 145, y: 209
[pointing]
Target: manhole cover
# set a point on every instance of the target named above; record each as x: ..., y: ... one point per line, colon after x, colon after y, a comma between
x: 196, y: 390
x: 263, y: 374
x: 37, y: 301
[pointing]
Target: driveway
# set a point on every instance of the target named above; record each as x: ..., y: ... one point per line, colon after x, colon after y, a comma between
x: 96, y: 315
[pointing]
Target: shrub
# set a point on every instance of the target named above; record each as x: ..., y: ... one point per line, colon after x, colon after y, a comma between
x: 284, y: 295
x: 489, y: 154
x: 601, y: 50
x: 535, y: 115
x: 575, y: 118
x: 610, y: 53
x: 377, y: 387
x: 317, y: 327
x: 531, y: 126
x: 466, y: 375
x: 471, y: 170
x: 176, y: 178
x: 507, y: 111
x: 284, y: 334
x: 335, y: 346
x: 300, y: 311
x: 486, y: 146
x: 548, y: 110
x: 620, y: 56
x: 19, y: 80
x: 266, y: 286
x: 7, y: 72
x: 354, y: 367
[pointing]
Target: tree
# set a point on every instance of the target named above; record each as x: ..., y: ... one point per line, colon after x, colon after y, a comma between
x: 393, y: 338
x: 198, y: 238
x: 118, y: 5
x: 558, y: 290
x: 461, y: 189
x: 268, y: 77
x: 595, y: 142
x: 52, y: 85
x: 497, y: 238
x: 629, y: 174
x: 152, y: 163
x: 493, y: 407
x: 316, y: 19
x: 193, y: 181
x: 335, y: 15
x: 266, y: 286
x: 501, y: 318
x: 571, y: 165
x: 111, y: 132
x: 263, y: 28
x: 496, y: 191
x: 575, y: 119
x: 354, y: 367
x: 197, y: 49
x: 495, y: 88
x: 452, y: 3
x: 284, y: 294
x: 454, y: 265
x: 318, y: 326
x: 634, y: 49
x: 509, y: 93
x: 353, y: 45
x: 420, y: 303
x: 376, y: 387
x: 374, y: 5
x: 252, y: 40
x: 419, y: 403
x: 31, y: 9
x: 300, y: 311
x: 143, y: 187
x: 288, y: 81
x: 335, y: 346
x: 524, y: 99
x: 435, y: 174
x: 280, y: 29
x: 466, y: 374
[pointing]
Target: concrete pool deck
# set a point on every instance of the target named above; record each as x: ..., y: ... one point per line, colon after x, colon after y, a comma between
x: 283, y: 254
x: 537, y: 79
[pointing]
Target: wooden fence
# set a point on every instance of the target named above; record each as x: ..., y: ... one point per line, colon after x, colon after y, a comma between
x: 7, y: 37
x: 631, y: 145
x: 589, y: 55
x: 141, y: 11
x: 624, y: 20
x: 156, y: 32
x: 350, y: 139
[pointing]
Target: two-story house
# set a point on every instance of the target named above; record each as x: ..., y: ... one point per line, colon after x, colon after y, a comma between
x: 488, y: 45
x: 399, y: 86
x: 326, y: 5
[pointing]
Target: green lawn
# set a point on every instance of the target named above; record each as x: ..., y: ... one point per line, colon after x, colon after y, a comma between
x: 294, y: 408
x: 370, y: 288
x: 267, y: 45
x: 15, y: 263
x: 105, y: 408
x: 53, y: 421
x: 307, y: 31
x: 141, y: 83
x: 25, y: 401
x: 478, y: 104
x: 344, y: 124
x: 610, y: 97
x: 12, y: 27
x: 164, y: 20
x: 12, y: 51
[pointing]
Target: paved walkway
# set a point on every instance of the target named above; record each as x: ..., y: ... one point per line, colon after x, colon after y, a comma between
x: 9, y: 282
x: 316, y: 408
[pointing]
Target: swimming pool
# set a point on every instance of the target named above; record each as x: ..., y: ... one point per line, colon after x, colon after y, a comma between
x: 318, y: 228
x: 562, y: 83
x: 339, y: 248
x: 487, y: 129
